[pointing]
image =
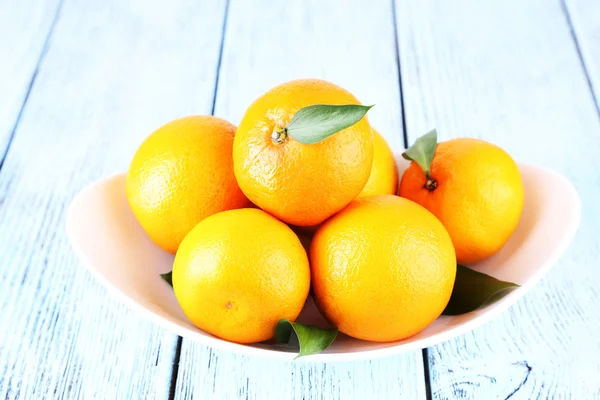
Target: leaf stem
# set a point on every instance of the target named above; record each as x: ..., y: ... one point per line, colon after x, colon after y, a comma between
x: 422, y: 152
x: 279, y: 136
x: 431, y: 183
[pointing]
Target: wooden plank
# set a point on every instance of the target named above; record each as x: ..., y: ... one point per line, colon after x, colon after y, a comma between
x: 207, y: 374
x: 583, y: 16
x: 114, y: 72
x: 352, y: 44
x: 509, y: 72
x: 24, y: 28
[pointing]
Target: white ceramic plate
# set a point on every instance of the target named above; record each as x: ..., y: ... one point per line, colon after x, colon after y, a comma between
x: 115, y: 249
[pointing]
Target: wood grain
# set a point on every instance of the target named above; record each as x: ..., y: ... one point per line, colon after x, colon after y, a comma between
x: 583, y: 17
x: 206, y: 374
x: 24, y: 29
x: 114, y: 71
x: 512, y: 76
x: 350, y: 43
x: 266, y: 43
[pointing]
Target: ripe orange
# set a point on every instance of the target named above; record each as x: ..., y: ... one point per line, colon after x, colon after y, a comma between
x: 301, y: 184
x: 384, y: 173
x: 382, y: 269
x: 479, y: 195
x: 240, y: 271
x: 181, y: 174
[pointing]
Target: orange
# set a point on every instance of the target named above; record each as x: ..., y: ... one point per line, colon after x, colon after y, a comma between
x: 181, y: 174
x: 382, y: 269
x: 237, y: 273
x: 478, y: 195
x: 301, y: 184
x: 384, y: 173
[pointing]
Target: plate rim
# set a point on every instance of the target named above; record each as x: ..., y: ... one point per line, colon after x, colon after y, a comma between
x: 220, y: 344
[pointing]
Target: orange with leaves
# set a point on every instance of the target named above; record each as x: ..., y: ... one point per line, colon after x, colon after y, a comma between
x: 287, y: 166
x: 472, y: 186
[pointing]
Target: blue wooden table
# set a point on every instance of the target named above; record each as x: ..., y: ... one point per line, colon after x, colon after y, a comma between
x: 82, y: 82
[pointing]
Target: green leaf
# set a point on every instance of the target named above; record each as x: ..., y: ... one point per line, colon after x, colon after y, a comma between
x: 315, y: 123
x: 168, y: 277
x: 422, y: 151
x: 473, y: 290
x: 312, y: 340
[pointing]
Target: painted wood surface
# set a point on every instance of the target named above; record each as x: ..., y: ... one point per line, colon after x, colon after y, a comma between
x: 207, y: 374
x: 584, y: 16
x: 512, y: 76
x: 25, y: 26
x: 350, y: 43
x: 266, y: 43
x: 113, y: 72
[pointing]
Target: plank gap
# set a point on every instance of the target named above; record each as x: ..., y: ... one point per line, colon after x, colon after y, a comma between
x: 425, y: 355
x: 397, y: 46
x: 220, y: 59
x: 175, y: 370
x: 586, y: 73
x: 11, y: 135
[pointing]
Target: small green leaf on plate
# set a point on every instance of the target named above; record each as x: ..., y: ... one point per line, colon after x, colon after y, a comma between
x: 168, y: 277
x: 312, y: 340
x: 314, y: 123
x: 422, y: 151
x: 474, y: 289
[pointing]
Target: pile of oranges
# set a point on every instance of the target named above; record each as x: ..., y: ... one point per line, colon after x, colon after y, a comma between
x: 257, y: 219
